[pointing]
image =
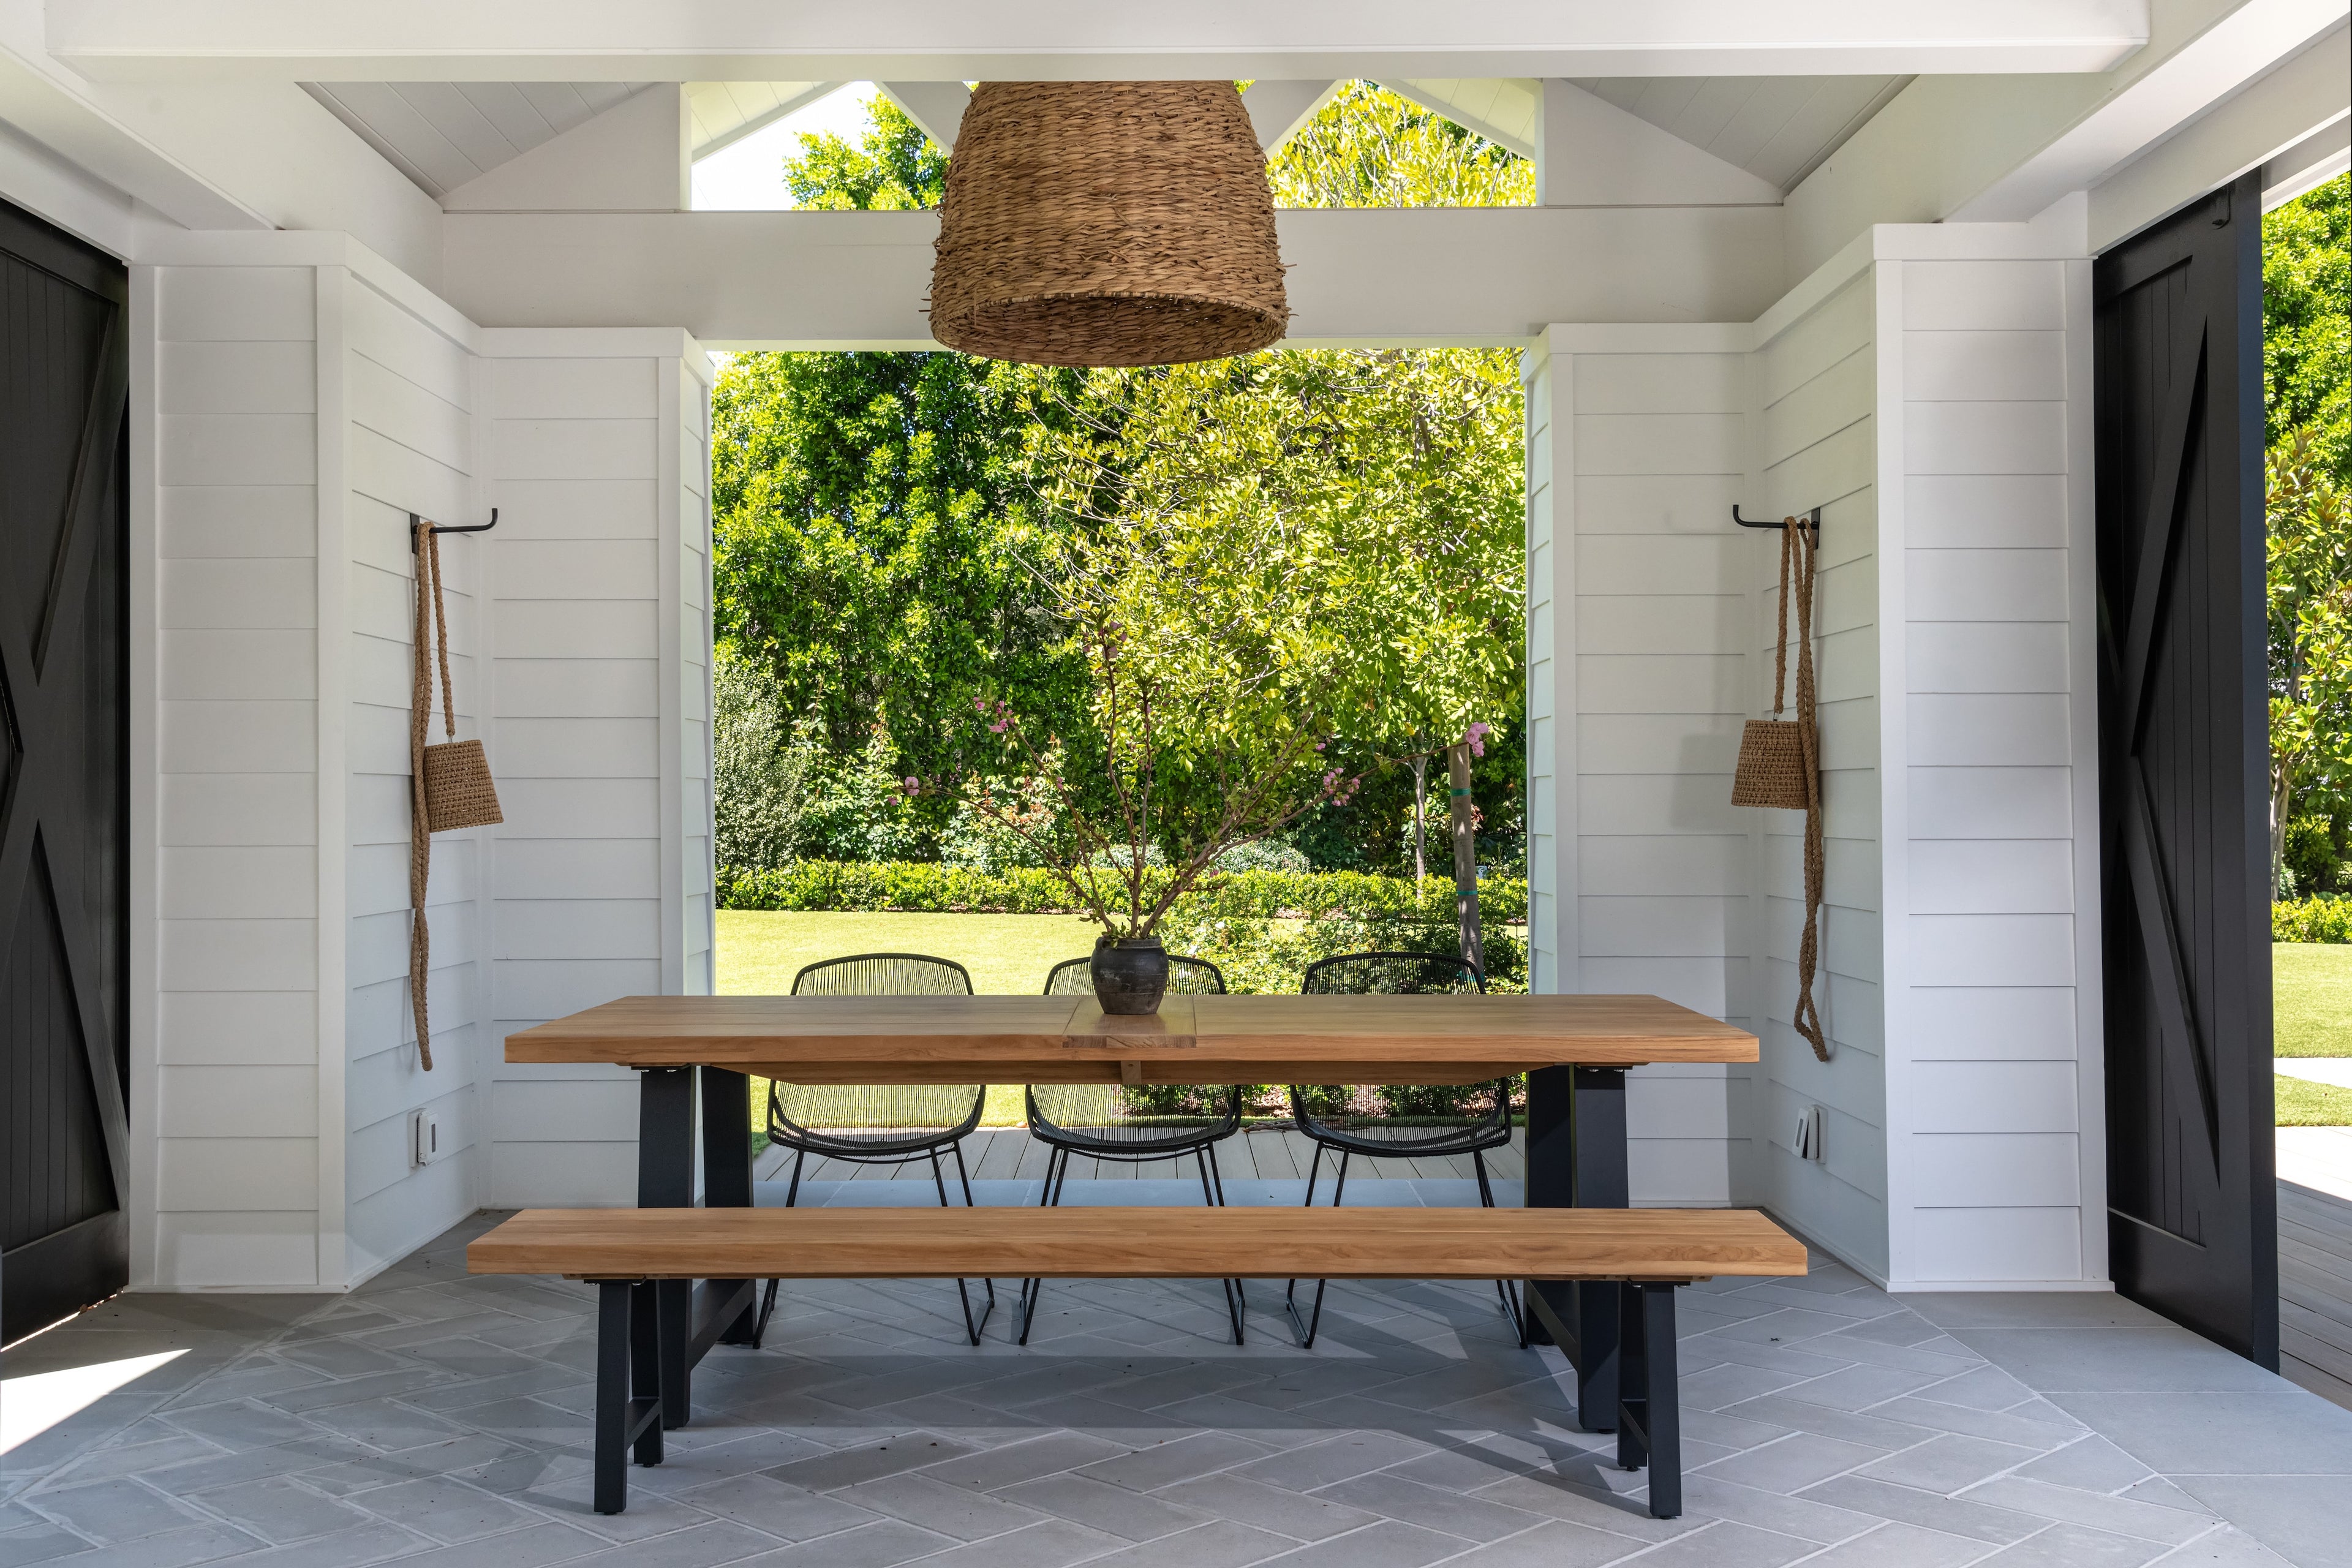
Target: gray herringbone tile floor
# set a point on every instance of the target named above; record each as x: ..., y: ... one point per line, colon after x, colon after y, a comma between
x: 432, y: 1419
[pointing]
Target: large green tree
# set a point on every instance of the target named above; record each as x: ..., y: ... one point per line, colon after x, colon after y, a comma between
x: 2306, y: 366
x: 2307, y: 324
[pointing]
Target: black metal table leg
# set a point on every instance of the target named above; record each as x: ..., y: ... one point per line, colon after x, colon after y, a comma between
x: 1576, y: 1158
x: 726, y: 1173
x: 666, y: 1180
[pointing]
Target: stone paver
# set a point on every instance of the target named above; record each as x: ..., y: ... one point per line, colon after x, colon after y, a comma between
x: 438, y: 1421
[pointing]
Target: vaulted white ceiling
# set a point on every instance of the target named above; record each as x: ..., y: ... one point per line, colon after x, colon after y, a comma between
x: 442, y: 134
x: 1777, y: 128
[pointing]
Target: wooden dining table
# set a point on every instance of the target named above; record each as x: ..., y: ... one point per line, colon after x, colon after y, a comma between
x: 1574, y: 1051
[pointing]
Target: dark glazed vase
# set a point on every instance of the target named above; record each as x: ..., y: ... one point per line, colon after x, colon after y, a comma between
x: 1130, y: 973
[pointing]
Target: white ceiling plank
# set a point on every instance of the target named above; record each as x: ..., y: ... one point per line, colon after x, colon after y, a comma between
x: 422, y: 148
x: 502, y: 103
x: 332, y: 101
x: 1718, y: 99
x: 1771, y: 106
x: 627, y: 40
x: 467, y: 128
x: 559, y: 102
x: 1460, y: 108
x: 726, y: 112
x: 1814, y: 130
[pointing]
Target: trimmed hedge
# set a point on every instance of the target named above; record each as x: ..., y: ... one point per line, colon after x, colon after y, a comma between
x: 832, y: 885
x: 2312, y: 920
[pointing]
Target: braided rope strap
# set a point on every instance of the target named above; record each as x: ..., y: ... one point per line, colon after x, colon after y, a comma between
x: 1807, y: 1016
x: 420, y: 831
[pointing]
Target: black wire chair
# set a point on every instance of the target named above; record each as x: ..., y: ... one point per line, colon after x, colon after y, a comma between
x: 1383, y: 1122
x: 879, y: 1124
x: 1113, y: 1122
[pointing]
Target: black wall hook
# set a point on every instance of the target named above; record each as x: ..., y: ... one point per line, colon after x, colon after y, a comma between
x: 414, y: 518
x: 1811, y: 519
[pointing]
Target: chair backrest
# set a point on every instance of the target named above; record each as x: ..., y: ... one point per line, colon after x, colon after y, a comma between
x: 1186, y: 977
x: 884, y: 975
x: 1392, y: 975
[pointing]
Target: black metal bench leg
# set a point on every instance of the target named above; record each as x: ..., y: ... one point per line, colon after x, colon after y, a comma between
x: 1649, y: 1411
x: 629, y: 1387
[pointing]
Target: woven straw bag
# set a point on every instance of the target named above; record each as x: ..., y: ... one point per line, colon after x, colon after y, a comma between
x: 458, y: 790
x: 1773, y: 768
x: 451, y: 786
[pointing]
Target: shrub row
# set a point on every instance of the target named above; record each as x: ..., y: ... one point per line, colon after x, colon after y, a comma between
x: 834, y: 885
x: 2321, y: 919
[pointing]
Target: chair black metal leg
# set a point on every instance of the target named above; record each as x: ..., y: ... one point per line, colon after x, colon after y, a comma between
x: 768, y: 1297
x: 963, y: 1292
x: 1649, y: 1412
x: 1503, y: 1288
x: 1305, y: 1329
x: 629, y: 1387
x: 1217, y: 1175
x: 1209, y: 1196
x: 1033, y: 1290
x: 1314, y: 1169
x: 964, y: 1175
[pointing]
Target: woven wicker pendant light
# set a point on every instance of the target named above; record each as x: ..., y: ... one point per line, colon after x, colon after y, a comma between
x: 1107, y: 222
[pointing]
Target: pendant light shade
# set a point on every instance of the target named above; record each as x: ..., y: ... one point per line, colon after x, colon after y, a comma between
x: 1107, y: 222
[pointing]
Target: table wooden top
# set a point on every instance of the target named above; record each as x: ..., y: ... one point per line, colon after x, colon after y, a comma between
x: 1191, y: 1040
x: 1119, y: 1243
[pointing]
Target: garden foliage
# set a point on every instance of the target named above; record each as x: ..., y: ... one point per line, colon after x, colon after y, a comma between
x: 2320, y: 918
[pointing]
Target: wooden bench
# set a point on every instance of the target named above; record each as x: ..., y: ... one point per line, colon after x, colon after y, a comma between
x: 627, y: 1251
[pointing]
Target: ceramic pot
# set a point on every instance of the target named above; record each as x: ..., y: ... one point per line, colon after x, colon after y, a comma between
x: 1130, y: 973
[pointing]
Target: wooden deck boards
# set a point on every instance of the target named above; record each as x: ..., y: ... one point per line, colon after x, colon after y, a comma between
x: 1263, y: 1154
x: 2315, y: 1290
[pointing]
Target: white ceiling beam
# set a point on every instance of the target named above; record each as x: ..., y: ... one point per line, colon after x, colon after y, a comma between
x: 1355, y: 277
x: 944, y: 40
x: 2238, y: 47
x: 211, y: 156
x: 937, y: 106
x: 2008, y: 146
x: 1276, y: 108
x: 2310, y: 91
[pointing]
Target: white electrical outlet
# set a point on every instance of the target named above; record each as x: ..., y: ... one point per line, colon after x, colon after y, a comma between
x: 424, y: 1137
x: 1805, y: 1138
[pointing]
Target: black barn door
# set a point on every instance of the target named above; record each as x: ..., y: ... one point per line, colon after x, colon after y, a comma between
x: 2183, y: 716
x: 64, y: 809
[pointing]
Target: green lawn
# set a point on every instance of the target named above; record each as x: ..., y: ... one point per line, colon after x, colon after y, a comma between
x: 760, y: 951
x: 2311, y: 999
x: 2302, y: 1103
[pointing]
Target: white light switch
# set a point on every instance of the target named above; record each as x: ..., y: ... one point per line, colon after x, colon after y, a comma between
x: 424, y: 1137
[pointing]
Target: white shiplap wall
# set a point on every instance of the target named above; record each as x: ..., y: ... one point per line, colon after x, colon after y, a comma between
x: 236, y: 1179
x: 1995, y: 1096
x: 601, y: 719
x: 410, y: 436
x: 1638, y: 633
x: 1815, y: 384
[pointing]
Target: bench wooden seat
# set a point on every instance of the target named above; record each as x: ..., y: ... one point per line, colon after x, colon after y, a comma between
x: 627, y: 1251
